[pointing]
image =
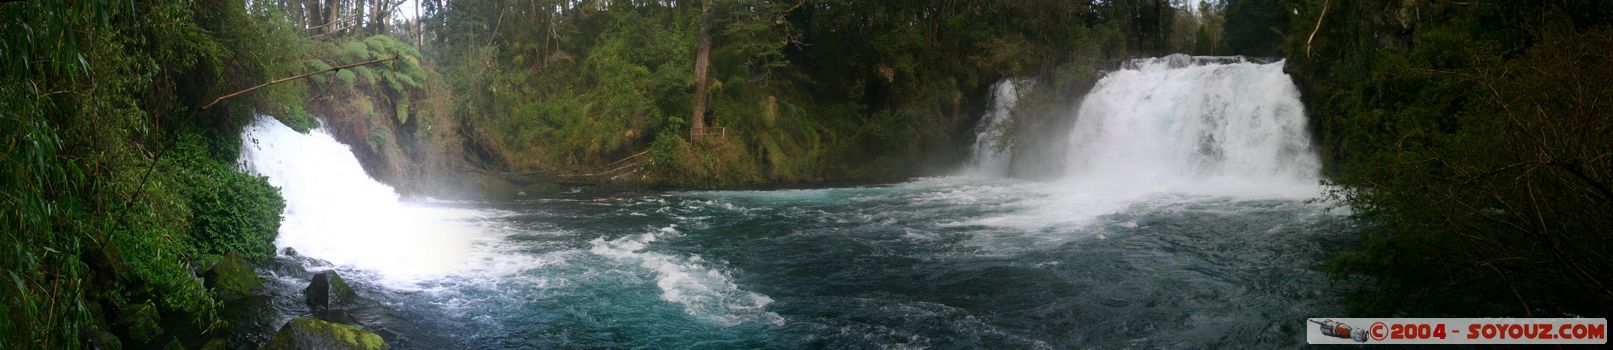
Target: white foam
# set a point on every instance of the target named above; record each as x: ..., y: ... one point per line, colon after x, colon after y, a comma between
x: 703, y: 291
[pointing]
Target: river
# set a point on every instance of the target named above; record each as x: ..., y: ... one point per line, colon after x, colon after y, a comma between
x: 1191, y: 222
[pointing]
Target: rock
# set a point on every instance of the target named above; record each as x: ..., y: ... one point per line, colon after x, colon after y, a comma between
x: 231, y: 278
x: 103, y: 340
x: 309, y: 333
x: 328, y: 291
x: 173, y: 344
x: 215, y: 344
x: 288, y: 252
x: 140, y: 322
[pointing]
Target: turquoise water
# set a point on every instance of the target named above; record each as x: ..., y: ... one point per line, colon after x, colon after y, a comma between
x: 934, y: 263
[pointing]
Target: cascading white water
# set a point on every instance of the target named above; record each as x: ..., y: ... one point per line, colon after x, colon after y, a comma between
x: 337, y: 213
x: 1194, y: 125
x: 991, y: 157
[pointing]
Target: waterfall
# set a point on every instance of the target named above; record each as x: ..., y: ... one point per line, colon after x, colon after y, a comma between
x: 335, y: 212
x: 1194, y: 124
x: 991, y: 157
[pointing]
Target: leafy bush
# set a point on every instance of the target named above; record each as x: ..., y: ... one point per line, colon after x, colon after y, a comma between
x: 232, y: 211
x: 397, y: 82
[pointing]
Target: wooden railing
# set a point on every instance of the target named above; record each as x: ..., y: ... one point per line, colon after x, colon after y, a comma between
x: 625, y: 166
x: 605, y: 173
x: 716, y: 131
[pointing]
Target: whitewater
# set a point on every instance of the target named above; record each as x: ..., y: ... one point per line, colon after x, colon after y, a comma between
x: 1185, y: 217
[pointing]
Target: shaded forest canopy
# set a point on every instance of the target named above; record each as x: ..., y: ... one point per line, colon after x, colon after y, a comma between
x: 1471, y: 139
x: 1475, y: 142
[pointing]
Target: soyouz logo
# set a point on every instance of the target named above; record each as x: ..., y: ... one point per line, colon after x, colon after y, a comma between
x: 1456, y: 331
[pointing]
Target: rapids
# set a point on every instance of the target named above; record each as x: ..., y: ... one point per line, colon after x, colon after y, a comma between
x: 1187, y: 219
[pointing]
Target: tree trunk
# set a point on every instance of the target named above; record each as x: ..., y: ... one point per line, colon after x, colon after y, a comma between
x: 359, y: 17
x: 702, y: 61
x: 333, y: 12
x: 311, y: 7
x: 378, y: 16
x: 419, y: 27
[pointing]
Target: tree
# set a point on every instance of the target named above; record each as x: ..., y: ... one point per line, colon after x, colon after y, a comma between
x: 702, y: 63
x: 1257, y: 27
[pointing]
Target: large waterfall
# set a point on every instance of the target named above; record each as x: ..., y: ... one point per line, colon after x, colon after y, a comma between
x: 1194, y: 125
x: 337, y: 213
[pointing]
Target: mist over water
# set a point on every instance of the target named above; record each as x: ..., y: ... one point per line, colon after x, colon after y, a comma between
x: 1184, y: 221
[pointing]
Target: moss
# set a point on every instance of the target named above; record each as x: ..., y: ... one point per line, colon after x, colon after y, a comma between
x: 309, y: 333
x: 231, y: 278
x: 140, y: 322
x: 215, y: 344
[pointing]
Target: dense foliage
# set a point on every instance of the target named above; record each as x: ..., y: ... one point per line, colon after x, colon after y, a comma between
x: 92, y: 92
x: 1476, y: 142
x: 803, y: 91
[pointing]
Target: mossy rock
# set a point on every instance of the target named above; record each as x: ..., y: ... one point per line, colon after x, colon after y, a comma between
x: 309, y: 333
x: 215, y: 344
x: 173, y: 344
x: 329, y: 291
x: 231, y: 278
x: 103, y: 340
x: 140, y: 322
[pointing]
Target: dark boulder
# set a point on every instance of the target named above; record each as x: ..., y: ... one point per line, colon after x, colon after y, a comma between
x: 102, y: 340
x: 173, y: 344
x: 309, y: 333
x: 328, y: 291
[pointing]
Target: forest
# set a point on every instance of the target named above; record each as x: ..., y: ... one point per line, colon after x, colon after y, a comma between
x: 1471, y: 140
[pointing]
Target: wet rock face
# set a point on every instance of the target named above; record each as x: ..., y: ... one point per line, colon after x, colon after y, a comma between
x: 328, y: 291
x: 232, y: 278
x: 309, y: 333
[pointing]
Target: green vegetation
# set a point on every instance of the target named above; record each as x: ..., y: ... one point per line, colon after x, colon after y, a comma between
x: 99, y: 238
x: 1473, y: 139
x: 802, y: 91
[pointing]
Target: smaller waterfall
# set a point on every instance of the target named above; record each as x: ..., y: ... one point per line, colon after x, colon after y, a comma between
x: 991, y: 157
x: 337, y: 213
